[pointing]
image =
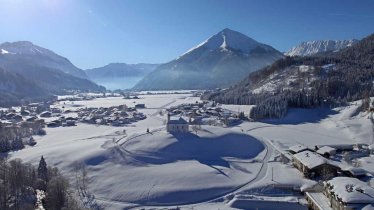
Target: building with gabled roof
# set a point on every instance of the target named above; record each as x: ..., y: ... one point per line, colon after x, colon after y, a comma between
x: 297, y: 148
x: 312, y: 164
x: 177, y: 125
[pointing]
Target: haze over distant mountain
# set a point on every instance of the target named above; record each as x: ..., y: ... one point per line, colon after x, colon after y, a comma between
x: 44, y: 68
x: 115, y: 70
x: 220, y: 61
x: 120, y: 75
x: 320, y: 46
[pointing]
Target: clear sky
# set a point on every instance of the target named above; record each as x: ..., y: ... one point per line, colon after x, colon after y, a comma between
x: 93, y: 33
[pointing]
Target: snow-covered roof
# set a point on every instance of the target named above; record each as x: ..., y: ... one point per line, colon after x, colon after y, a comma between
x: 310, y: 159
x: 178, y: 121
x: 368, y: 207
x: 352, y: 190
x: 355, y: 171
x: 297, y: 148
x: 326, y: 149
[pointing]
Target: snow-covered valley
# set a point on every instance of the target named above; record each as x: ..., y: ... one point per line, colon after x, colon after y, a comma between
x: 214, y: 168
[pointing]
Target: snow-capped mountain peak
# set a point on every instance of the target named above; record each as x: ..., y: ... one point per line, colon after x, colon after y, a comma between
x: 319, y: 46
x: 24, y: 48
x: 228, y: 39
x: 4, y: 52
x: 41, y: 56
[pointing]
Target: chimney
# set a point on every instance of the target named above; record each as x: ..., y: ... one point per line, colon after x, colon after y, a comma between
x: 168, y: 117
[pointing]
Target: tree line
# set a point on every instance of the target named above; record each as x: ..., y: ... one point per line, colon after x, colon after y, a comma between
x: 20, y: 181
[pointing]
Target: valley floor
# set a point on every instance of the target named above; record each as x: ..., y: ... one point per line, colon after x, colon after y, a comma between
x: 215, y: 168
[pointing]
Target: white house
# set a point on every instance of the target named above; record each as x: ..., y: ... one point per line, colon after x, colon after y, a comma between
x: 179, y: 125
x: 342, y: 193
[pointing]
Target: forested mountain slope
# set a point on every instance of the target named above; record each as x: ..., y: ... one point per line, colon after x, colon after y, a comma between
x: 332, y: 78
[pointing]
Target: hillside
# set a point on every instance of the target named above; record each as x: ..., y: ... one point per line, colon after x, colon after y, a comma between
x: 40, y: 57
x: 49, y: 71
x: 333, y: 79
x: 220, y: 61
x: 320, y: 46
x: 14, y: 88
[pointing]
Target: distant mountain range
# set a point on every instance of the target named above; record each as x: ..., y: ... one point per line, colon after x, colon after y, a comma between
x: 120, y: 75
x: 54, y: 74
x: 117, y: 70
x: 329, y: 78
x: 220, y: 61
x: 39, y: 56
x: 320, y: 46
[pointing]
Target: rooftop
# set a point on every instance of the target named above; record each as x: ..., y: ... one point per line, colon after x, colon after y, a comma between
x: 352, y: 190
x: 298, y: 148
x: 310, y: 159
x: 179, y: 121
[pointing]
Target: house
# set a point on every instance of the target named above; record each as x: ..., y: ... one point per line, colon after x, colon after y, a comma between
x: 25, y: 113
x: 312, y: 164
x: 342, y: 193
x: 179, y: 125
x: 326, y: 151
x: 140, y: 106
x: 371, y: 148
x: 297, y: 148
x: 348, y: 193
x: 353, y: 172
x: 70, y: 123
x: 52, y: 125
x: 31, y: 119
x: 46, y: 114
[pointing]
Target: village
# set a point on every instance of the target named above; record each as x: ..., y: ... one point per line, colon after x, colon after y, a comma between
x: 207, y: 113
x: 341, y: 182
x: 18, y: 125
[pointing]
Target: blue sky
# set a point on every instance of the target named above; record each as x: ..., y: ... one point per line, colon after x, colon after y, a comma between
x: 92, y: 33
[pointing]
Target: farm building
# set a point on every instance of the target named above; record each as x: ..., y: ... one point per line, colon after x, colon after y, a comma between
x: 312, y: 164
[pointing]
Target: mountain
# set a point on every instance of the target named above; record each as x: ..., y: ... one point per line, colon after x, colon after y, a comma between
x: 320, y: 46
x: 45, y: 68
x: 41, y: 57
x: 220, y: 61
x: 304, y: 82
x: 14, y: 88
x: 115, y: 70
x: 120, y: 75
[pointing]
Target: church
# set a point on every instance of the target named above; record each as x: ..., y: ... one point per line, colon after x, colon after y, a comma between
x: 178, y: 125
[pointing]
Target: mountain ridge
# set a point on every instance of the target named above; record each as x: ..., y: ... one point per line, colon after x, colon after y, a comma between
x: 210, y: 64
x: 305, y: 82
x: 319, y: 46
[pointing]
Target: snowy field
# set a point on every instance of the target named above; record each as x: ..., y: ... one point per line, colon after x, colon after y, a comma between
x: 238, y: 108
x: 219, y: 168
